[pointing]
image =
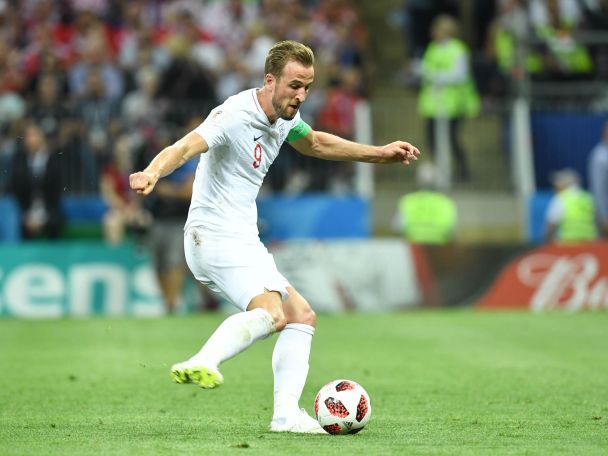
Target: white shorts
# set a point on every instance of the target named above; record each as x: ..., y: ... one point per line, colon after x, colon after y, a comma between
x: 240, y: 269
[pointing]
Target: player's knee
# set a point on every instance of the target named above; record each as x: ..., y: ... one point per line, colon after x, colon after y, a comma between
x: 308, y: 317
x: 278, y: 317
x: 271, y: 303
x: 303, y: 314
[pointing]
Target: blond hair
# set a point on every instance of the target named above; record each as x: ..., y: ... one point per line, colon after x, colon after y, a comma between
x: 446, y: 25
x: 286, y: 51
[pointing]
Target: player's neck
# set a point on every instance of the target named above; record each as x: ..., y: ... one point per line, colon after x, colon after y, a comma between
x: 264, y: 98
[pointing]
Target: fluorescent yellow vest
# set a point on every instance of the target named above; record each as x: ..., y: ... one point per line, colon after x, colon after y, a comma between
x: 505, y: 54
x: 578, y: 223
x: 452, y: 100
x: 573, y: 56
x: 428, y: 217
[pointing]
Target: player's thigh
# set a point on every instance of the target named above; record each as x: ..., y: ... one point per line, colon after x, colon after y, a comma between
x: 297, y: 309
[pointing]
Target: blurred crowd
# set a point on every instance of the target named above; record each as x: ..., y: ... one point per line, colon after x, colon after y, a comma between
x: 558, y: 36
x: 107, y: 83
x: 90, y: 90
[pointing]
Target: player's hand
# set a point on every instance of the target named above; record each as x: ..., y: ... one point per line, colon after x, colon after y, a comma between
x: 142, y: 182
x: 401, y: 151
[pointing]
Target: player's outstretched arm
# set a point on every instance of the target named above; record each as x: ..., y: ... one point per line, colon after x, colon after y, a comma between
x: 167, y: 160
x: 331, y: 147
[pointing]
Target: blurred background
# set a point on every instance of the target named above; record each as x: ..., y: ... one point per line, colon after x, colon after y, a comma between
x: 507, y: 100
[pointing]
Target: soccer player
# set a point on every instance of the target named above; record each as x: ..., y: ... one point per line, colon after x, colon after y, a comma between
x: 239, y: 141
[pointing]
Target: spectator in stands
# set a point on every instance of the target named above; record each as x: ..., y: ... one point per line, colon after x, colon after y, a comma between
x: 426, y: 216
x: 337, y: 116
x: 12, y: 76
x: 12, y: 104
x: 554, y: 22
x: 447, y: 88
x: 140, y: 107
x: 229, y: 21
x: 12, y: 108
x: 47, y: 64
x: 571, y: 213
x: 52, y: 112
x: 169, y: 209
x: 246, y: 65
x: 124, y: 207
x: 183, y: 84
x: 598, y: 180
x: 139, y: 46
x: 98, y: 115
x: 96, y: 59
x: 499, y: 64
x: 49, y: 109
x: 35, y: 182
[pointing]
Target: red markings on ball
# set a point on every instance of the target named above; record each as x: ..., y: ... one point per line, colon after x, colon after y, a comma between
x: 333, y: 428
x: 336, y: 408
x: 362, y: 408
x: 345, y: 386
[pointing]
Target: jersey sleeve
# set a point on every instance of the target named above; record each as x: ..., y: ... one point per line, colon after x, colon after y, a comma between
x: 219, y: 127
x: 299, y: 130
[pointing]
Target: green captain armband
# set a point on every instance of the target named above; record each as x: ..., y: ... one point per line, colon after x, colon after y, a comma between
x: 299, y: 131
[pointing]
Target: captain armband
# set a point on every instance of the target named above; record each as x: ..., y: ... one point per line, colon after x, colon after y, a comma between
x: 299, y: 131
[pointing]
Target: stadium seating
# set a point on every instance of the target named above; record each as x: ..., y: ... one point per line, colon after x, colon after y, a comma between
x: 83, y: 216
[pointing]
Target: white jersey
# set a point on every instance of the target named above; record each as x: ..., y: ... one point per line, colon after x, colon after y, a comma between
x: 242, y: 146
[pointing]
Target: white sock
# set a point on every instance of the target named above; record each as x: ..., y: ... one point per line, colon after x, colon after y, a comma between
x: 290, y: 367
x: 234, y: 335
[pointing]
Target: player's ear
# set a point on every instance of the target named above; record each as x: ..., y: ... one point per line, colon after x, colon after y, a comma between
x: 270, y: 79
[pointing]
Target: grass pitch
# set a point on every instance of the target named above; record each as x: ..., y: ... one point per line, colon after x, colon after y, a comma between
x: 441, y: 382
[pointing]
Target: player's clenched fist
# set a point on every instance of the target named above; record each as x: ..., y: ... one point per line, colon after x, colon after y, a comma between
x: 411, y: 152
x: 142, y: 182
x: 400, y: 151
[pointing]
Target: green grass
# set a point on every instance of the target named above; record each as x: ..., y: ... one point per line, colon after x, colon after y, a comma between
x: 451, y: 382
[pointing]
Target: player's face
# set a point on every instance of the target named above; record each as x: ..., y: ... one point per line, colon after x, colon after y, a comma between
x: 291, y: 89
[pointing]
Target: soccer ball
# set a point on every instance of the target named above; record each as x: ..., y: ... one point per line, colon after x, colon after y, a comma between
x: 342, y: 407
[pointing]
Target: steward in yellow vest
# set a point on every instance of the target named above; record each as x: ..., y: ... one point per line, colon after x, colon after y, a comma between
x: 447, y: 86
x: 570, y: 56
x: 571, y: 212
x: 427, y: 217
x: 505, y: 53
x: 578, y: 223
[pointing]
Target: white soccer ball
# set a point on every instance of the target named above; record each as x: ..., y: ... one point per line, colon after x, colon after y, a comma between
x: 342, y: 407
